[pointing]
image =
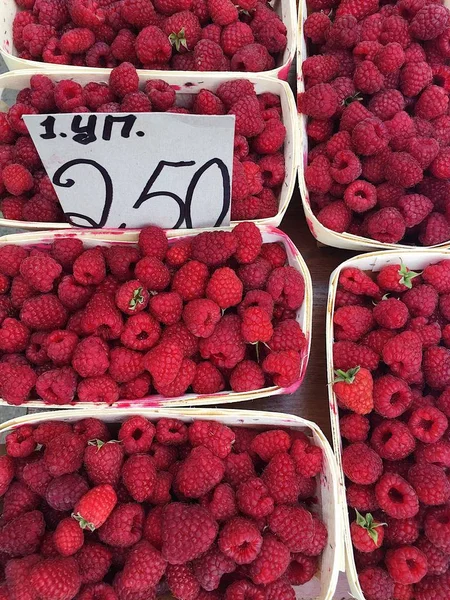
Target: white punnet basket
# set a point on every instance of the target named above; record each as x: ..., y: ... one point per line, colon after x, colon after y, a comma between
x: 323, y: 585
x: 415, y: 260
x: 286, y: 10
x: 108, y: 237
x: 322, y: 234
x: 186, y: 84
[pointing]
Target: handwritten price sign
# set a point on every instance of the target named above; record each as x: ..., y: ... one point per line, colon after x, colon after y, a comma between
x: 129, y: 170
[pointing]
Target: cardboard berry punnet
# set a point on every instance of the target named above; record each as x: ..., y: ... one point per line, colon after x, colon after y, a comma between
x: 111, y: 238
x: 285, y: 9
x: 325, y: 505
x: 186, y: 87
x: 410, y: 260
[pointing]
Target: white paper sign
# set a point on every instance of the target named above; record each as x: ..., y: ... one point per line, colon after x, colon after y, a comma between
x: 130, y: 170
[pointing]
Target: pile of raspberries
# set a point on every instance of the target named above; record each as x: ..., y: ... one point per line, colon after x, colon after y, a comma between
x: 392, y: 381
x: 181, y: 35
x: 27, y: 193
x: 211, y: 312
x: 377, y: 96
x: 202, y: 510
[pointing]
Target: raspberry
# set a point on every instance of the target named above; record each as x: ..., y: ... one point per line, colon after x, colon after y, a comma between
x: 57, y: 386
x: 432, y: 103
x: 406, y: 565
x: 367, y: 534
x: 427, y: 424
x: 430, y: 483
x: 247, y: 376
x: 376, y: 583
x: 144, y: 567
x: 316, y: 27
x: 141, y: 332
x: 318, y: 175
x: 68, y: 537
x: 190, y: 280
x: 231, y: 91
x: 396, y: 496
x: 125, y: 364
x: 65, y: 491
x: 421, y: 300
x: 269, y: 443
x: 271, y: 563
x: 336, y: 216
x: 212, y: 435
x: 64, y: 454
x: 248, y: 119
x: 293, y: 525
x: 101, y: 318
x: 403, y: 170
x: 91, y: 357
x: 187, y: 532
x: 207, y: 56
x: 354, y: 427
x: 162, y: 97
x: 392, y: 440
x: 17, y: 179
x: 56, y: 578
x: 429, y: 22
x: 14, y: 336
x: 153, y: 46
x: 235, y: 36
x: 171, y: 432
x: 414, y: 77
x: 360, y: 196
x: 281, y: 479
x: 139, y: 476
x: 361, y: 464
x: 253, y: 498
x: 368, y: 79
x: 98, y: 389
x: 391, y: 313
x: 199, y: 473
x: 370, y: 136
x: 401, y: 531
x: 181, y: 581
x: 131, y: 297
x: 238, y: 468
x: 345, y: 167
x: 21, y: 535
x: 211, y: 567
x: 436, y: 367
x: 352, y: 322
x: 20, y: 443
x: 66, y: 251
x: 362, y: 497
x: 221, y: 503
x: 391, y: 396
x: 437, y: 561
x: 403, y: 353
x: 208, y: 379
x: 284, y: 366
x: 89, y: 267
x: 439, y: 166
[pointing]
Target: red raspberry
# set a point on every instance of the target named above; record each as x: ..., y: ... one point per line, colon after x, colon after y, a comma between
x: 207, y: 103
x: 269, y: 443
x: 64, y: 454
x: 391, y: 396
x: 43, y: 312
x: 66, y: 251
x: 368, y: 79
x: 281, y: 479
x: 16, y: 382
x: 293, y: 525
x: 287, y: 287
x: 430, y: 483
x: 209, y: 568
x: 403, y: 353
x: 367, y: 534
x: 72, y: 294
x: 139, y: 476
x: 234, y: 36
x: 89, y: 267
x: 352, y: 322
x: 429, y: 22
x: 401, y: 531
x: 284, y: 366
x: 437, y: 561
x: 421, y: 300
x: 164, y: 362
x: 216, y: 437
x: 369, y: 136
x: 345, y: 167
x: 336, y: 216
x: 171, y: 432
x: 123, y: 80
x: 437, y: 526
x: 271, y: 563
x: 60, y: 345
x: 190, y: 280
x: 91, y: 357
x: 98, y: 389
x: 55, y: 577
x: 152, y: 273
x: 361, y: 464
x: 256, y: 325
x: 354, y: 427
x: 253, y: 498
x: 199, y: 473
x: 247, y: 376
x: 57, y: 386
x: 68, y: 537
x: 376, y: 583
x: 6, y: 473
x: 208, y: 56
x: 161, y: 95
x: 221, y: 503
x: 166, y: 307
x: 360, y: 196
x: 436, y: 367
x: 439, y: 166
x: 414, y: 208
x: 428, y: 424
x: 136, y: 388
x: 131, y: 297
x: 432, y: 103
x: 392, y: 440
x: 65, y: 491
x: 17, y: 179
x: 317, y: 26
x: 414, y: 77
x: 208, y: 379
x: 141, y: 332
x: 179, y: 334
x: 231, y: 91
x: 20, y: 443
x: 122, y: 260
x: 249, y: 121
x: 153, y: 46
x: 255, y: 275
x: 125, y: 364
x: 307, y: 457
x: 318, y: 175
x: 12, y: 207
x: 238, y: 468
x: 225, y: 347
x: 240, y: 540
x: 103, y: 462
x: 181, y: 581
x: 396, y: 496
x: 201, y: 317
x: 406, y: 565
x: 391, y: 313
x: 362, y: 497
x: 144, y: 567
x: 77, y: 41
x: 14, y: 336
x: 348, y: 354
x: 187, y: 532
x: 101, y: 317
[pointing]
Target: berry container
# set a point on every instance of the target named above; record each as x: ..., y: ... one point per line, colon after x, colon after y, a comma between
x: 322, y: 234
x: 285, y: 9
x: 323, y: 585
x: 185, y: 85
x: 415, y: 260
x: 105, y: 237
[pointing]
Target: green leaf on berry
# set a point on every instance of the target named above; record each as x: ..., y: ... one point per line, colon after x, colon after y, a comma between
x: 83, y: 523
x: 346, y: 376
x: 138, y: 298
x: 178, y: 40
x: 369, y: 524
x: 406, y: 276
